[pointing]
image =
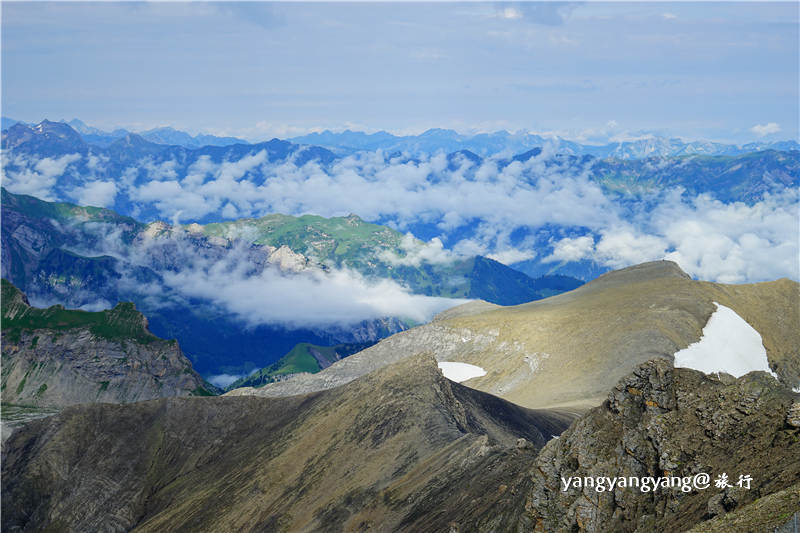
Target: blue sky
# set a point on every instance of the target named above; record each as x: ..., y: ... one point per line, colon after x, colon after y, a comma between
x: 591, y: 71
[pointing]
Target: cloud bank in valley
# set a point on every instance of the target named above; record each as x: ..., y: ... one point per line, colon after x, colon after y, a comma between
x: 489, y: 207
x: 241, y: 281
x: 304, y: 299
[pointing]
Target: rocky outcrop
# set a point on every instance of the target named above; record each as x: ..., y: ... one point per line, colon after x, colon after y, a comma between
x: 664, y: 422
x: 44, y: 368
x: 56, y: 357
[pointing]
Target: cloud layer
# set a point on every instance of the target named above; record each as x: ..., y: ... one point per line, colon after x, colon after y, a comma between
x: 242, y: 281
x: 709, y: 239
x: 546, y: 207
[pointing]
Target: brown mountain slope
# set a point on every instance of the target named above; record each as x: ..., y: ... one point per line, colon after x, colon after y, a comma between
x: 568, y: 350
x: 402, y: 449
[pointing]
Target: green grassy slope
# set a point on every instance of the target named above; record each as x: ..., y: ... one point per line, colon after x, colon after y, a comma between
x: 121, y: 322
x: 304, y: 357
x: 63, y: 212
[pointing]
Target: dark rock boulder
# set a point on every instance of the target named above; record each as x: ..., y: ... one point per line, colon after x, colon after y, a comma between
x: 662, y: 422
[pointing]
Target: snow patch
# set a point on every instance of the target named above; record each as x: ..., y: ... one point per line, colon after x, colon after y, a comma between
x: 729, y: 344
x: 459, y: 372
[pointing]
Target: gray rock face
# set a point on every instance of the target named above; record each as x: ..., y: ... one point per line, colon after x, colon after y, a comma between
x: 60, y: 369
x: 56, y: 357
x: 660, y: 422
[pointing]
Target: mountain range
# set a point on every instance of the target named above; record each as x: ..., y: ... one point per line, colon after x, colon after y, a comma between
x: 384, y: 366
x: 460, y: 202
x: 437, y: 139
x: 163, y: 135
x: 575, y: 385
x: 486, y: 144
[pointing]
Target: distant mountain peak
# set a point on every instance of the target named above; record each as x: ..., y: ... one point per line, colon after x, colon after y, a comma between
x: 47, y: 135
x: 133, y: 139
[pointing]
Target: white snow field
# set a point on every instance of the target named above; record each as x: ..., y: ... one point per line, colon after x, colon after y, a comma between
x: 729, y: 344
x: 459, y: 372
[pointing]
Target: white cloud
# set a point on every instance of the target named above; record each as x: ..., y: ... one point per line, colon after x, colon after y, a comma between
x: 474, y: 207
x: 98, y: 305
x: 241, y: 281
x: 619, y: 248
x: 733, y: 243
x: 235, y: 170
x: 398, y: 191
x: 36, y: 177
x: 571, y: 249
x: 308, y: 298
x: 96, y: 163
x: 416, y: 252
x: 95, y: 193
x: 511, y: 256
x: 223, y: 380
x: 766, y: 129
x: 709, y: 239
x: 166, y: 170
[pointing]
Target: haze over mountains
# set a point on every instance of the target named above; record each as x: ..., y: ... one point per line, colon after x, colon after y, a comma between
x: 436, y: 139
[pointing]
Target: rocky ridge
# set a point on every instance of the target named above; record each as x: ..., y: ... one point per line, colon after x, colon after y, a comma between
x: 567, y: 350
x: 402, y: 449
